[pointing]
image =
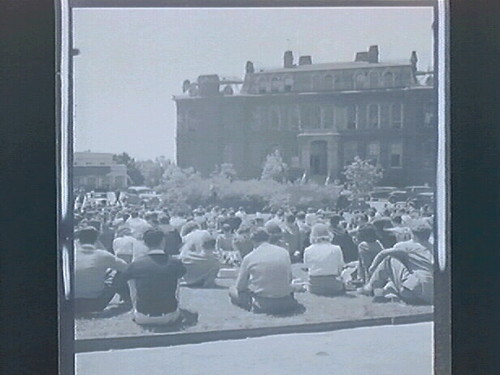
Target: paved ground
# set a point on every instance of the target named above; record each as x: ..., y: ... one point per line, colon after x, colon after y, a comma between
x: 385, y: 350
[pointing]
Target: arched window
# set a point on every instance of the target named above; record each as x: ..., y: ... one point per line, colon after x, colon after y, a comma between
x: 374, y: 80
x: 359, y: 81
x: 397, y: 115
x: 388, y: 79
x: 328, y: 82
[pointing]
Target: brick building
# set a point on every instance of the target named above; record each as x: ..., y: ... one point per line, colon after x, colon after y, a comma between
x: 319, y: 116
x: 98, y: 170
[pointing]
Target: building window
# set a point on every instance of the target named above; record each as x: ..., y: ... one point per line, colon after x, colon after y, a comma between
x: 360, y: 81
x: 352, y: 117
x: 262, y: 85
x: 373, y: 116
x: 373, y: 152
x: 374, y: 80
x: 429, y: 115
x: 274, y: 117
x: 328, y: 117
x: 395, y: 155
x: 120, y: 181
x: 385, y: 117
x: 328, y: 82
x: 315, y: 119
x: 288, y: 83
x: 350, y: 151
x: 316, y: 82
x: 318, y: 162
x: 388, y: 79
x: 275, y: 84
x: 294, y: 118
x: 397, y: 115
x: 92, y: 181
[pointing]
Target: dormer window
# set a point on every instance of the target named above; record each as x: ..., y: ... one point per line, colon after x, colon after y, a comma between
x: 359, y: 81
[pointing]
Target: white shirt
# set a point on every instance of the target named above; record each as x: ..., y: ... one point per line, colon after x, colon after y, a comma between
x: 324, y: 259
x: 138, y: 226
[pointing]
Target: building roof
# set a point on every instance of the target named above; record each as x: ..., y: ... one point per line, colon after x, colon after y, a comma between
x: 79, y: 171
x: 333, y: 66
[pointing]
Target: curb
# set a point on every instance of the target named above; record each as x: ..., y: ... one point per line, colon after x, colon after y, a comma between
x: 174, y: 339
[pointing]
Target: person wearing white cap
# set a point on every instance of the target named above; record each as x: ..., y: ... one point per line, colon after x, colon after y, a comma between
x: 324, y: 262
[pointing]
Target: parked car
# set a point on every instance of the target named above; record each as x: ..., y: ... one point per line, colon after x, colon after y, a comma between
x: 96, y: 198
x: 398, y: 196
x: 143, y: 192
x: 413, y: 191
x: 381, y: 192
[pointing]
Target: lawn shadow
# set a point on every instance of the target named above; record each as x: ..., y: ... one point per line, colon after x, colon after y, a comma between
x: 300, y: 309
x: 109, y: 312
x: 189, y: 319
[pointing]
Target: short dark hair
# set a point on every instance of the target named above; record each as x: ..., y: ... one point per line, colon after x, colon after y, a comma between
x: 165, y: 219
x: 422, y: 231
x: 367, y: 233
x: 290, y: 218
x: 153, y: 238
x: 335, y: 220
x: 259, y: 235
x: 88, y: 235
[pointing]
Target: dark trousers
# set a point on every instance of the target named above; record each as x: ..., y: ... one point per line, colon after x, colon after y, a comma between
x: 262, y: 305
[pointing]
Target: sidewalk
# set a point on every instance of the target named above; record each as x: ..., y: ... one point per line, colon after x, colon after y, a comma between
x: 383, y: 350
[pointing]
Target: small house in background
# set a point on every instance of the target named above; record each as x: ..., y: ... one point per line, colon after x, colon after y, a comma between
x: 98, y: 170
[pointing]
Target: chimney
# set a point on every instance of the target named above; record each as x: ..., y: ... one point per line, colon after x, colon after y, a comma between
x: 288, y: 59
x: 249, y: 67
x: 361, y: 56
x: 373, y: 54
x: 413, y: 61
x: 305, y: 60
x: 208, y: 85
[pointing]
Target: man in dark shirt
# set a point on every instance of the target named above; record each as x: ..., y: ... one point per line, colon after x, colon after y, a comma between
x: 153, y: 280
x: 343, y: 239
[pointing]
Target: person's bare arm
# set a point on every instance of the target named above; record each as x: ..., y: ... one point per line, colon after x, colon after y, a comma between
x: 395, y: 252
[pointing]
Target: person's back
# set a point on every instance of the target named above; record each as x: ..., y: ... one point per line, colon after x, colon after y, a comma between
x: 90, y: 270
x: 269, y: 270
x: 153, y: 280
x: 419, y: 258
x: 155, y: 277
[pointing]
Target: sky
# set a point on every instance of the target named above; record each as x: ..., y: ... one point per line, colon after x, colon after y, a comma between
x: 132, y: 61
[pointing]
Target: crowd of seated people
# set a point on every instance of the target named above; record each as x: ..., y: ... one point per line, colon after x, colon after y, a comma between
x: 143, y: 255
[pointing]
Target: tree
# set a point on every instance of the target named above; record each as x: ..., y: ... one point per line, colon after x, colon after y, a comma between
x: 225, y: 170
x: 274, y: 168
x: 361, y: 176
x: 133, y: 172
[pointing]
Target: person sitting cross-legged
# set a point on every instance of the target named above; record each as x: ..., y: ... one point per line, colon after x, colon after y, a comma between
x: 93, y: 289
x: 263, y: 284
x: 153, y: 281
x: 405, y: 270
x: 324, y: 262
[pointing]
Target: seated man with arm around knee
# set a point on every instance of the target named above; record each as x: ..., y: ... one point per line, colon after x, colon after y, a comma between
x: 92, y: 265
x: 405, y: 270
x: 263, y: 283
x: 153, y: 280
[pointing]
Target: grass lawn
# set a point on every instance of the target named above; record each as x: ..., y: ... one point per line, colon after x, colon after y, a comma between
x: 217, y: 313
